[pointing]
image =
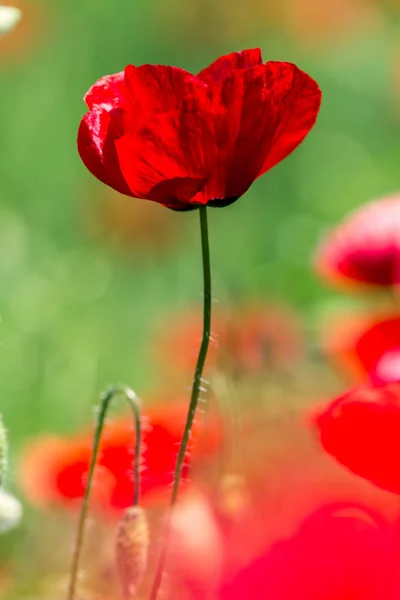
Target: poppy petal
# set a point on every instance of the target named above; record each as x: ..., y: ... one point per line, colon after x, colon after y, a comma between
x: 108, y: 92
x: 267, y: 111
x: 173, y: 193
x: 377, y: 349
x: 96, y: 145
x: 361, y: 431
x: 335, y: 555
x: 170, y: 151
x: 295, y: 99
x: 156, y: 89
x: 223, y: 66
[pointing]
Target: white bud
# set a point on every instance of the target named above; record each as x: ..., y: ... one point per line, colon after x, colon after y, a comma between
x: 9, y: 17
x: 10, y: 511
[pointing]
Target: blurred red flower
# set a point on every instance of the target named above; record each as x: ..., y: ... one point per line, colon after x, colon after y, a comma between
x: 53, y: 470
x: 365, y: 248
x: 367, y: 347
x: 339, y: 552
x: 361, y: 430
x: 249, y: 339
x: 160, y: 133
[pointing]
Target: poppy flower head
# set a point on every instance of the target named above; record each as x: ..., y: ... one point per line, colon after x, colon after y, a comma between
x: 365, y: 248
x: 160, y: 133
x: 361, y: 431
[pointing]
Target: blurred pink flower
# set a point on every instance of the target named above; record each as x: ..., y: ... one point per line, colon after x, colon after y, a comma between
x: 365, y: 247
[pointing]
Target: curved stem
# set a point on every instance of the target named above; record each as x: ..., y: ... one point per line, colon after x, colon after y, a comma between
x: 194, y: 400
x: 104, y: 405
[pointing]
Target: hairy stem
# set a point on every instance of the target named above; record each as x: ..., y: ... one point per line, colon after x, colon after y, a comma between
x: 194, y: 400
x: 108, y: 396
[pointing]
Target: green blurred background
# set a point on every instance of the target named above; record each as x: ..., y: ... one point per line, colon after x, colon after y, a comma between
x: 87, y: 279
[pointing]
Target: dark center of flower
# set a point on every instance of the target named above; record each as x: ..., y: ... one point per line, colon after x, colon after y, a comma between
x: 215, y: 203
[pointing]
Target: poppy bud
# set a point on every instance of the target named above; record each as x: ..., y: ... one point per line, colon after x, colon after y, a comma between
x: 3, y: 452
x: 132, y: 550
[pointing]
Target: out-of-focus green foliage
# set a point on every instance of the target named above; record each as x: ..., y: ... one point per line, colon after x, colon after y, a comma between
x: 78, y: 312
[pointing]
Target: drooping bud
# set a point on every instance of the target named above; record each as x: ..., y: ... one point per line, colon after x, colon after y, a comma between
x: 132, y: 550
x: 3, y: 452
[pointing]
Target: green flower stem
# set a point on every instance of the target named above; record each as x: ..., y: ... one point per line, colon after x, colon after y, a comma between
x: 194, y: 400
x: 108, y: 396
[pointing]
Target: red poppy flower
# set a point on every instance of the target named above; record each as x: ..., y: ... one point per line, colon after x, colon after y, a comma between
x: 365, y: 248
x: 339, y: 552
x: 367, y: 347
x: 336, y: 555
x: 361, y: 430
x: 54, y: 470
x: 160, y: 133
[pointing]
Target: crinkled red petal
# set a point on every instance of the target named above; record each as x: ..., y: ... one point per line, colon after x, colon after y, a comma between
x: 108, y: 92
x: 169, y: 153
x: 224, y: 65
x: 152, y: 90
x: 96, y: 145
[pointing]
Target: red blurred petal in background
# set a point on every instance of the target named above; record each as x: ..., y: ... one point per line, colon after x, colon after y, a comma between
x: 53, y: 470
x: 361, y: 430
x: 340, y: 551
x: 365, y: 346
